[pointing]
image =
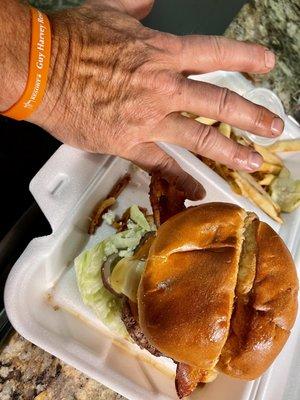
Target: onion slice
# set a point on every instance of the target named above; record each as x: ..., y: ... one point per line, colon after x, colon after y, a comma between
x: 106, y: 271
x: 125, y: 273
x: 142, y: 250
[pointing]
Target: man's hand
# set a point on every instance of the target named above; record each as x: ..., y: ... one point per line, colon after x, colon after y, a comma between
x: 136, y: 8
x: 117, y: 87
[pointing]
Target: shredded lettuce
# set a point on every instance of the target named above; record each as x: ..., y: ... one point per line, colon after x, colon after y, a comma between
x: 109, y: 217
x: 88, y: 270
x: 138, y: 217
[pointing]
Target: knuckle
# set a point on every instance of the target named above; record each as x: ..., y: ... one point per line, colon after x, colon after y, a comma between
x: 163, y: 163
x: 169, y: 82
x: 204, y: 138
x: 259, y: 117
x: 159, y: 82
x: 225, y: 102
x: 188, y: 48
x: 166, y: 43
x: 186, y: 183
x: 216, y: 43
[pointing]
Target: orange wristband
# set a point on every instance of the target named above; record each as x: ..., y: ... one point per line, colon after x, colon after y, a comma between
x: 39, y: 61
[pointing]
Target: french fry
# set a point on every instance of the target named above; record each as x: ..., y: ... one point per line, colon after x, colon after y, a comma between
x: 261, y: 190
x: 206, y: 121
x: 257, y: 195
x: 257, y: 186
x: 267, y: 180
x: 225, y: 129
x: 235, y: 187
x: 224, y: 172
x: 240, y: 181
x: 258, y: 175
x: 285, y: 145
x: 242, y: 140
x: 268, y: 157
x: 249, y: 178
x: 268, y: 168
x: 188, y: 115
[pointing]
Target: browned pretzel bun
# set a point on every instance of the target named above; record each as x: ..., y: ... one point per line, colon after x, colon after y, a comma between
x: 219, y: 291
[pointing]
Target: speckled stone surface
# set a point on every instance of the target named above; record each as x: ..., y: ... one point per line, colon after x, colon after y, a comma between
x: 55, y: 4
x: 27, y: 372
x: 276, y: 24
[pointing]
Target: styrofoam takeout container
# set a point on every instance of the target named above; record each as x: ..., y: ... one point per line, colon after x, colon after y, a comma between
x: 43, y: 302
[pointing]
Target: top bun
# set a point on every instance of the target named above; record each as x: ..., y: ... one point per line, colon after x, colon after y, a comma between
x: 219, y: 291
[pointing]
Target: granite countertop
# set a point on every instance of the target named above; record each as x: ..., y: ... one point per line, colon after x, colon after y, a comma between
x: 27, y: 372
x: 276, y: 24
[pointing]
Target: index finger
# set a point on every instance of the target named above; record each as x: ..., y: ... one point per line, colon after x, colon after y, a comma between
x: 211, y: 53
x: 222, y: 104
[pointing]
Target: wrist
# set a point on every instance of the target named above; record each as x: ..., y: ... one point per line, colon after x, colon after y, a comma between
x: 49, y: 110
x: 14, y: 52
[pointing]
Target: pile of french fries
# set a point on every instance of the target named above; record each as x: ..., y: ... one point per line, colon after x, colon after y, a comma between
x: 259, y: 187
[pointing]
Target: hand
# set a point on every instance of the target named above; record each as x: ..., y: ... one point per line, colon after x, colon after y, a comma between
x: 117, y: 87
x: 136, y: 8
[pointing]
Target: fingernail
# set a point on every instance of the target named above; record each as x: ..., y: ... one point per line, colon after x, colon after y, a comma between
x: 255, y: 160
x: 269, y: 59
x: 277, y: 126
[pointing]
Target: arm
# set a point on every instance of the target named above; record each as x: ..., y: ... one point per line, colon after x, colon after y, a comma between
x: 14, y: 51
x: 117, y: 87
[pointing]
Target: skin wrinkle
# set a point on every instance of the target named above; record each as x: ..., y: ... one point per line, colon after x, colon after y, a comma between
x: 204, y: 138
x: 217, y: 49
x: 224, y: 101
x: 57, y: 47
x: 259, y: 118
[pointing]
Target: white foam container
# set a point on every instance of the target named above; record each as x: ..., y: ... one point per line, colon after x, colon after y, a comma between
x: 43, y: 302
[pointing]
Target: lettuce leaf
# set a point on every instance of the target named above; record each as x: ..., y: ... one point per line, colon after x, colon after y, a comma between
x: 286, y: 191
x: 88, y: 270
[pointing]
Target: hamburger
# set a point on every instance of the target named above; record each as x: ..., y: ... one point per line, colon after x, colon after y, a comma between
x: 211, y: 287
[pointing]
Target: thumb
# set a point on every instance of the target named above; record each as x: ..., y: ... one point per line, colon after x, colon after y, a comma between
x: 138, y: 9
x: 151, y: 158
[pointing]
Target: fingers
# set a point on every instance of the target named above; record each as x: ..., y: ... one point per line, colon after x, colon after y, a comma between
x: 222, y: 104
x: 211, y: 53
x: 207, y: 141
x: 151, y: 158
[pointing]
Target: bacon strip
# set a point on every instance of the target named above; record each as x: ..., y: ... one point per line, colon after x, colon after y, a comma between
x: 166, y: 200
x: 188, y: 378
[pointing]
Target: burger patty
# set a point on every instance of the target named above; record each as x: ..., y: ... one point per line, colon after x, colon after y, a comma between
x: 134, y: 329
